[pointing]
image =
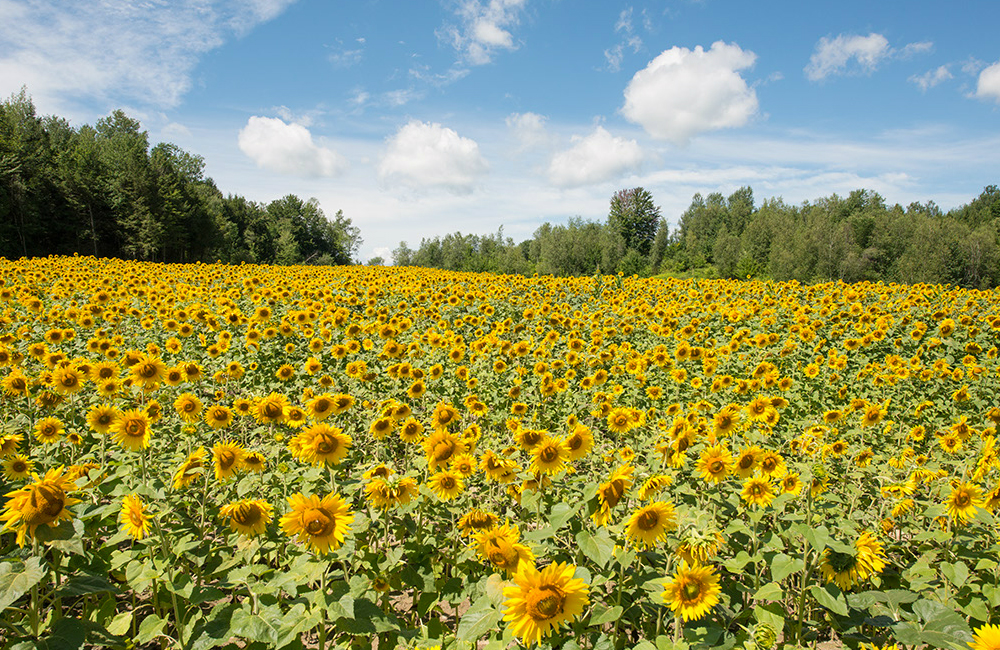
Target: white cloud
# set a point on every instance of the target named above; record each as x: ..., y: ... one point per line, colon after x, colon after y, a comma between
x: 423, y: 155
x: 684, y: 92
x: 616, y: 54
x: 988, y: 86
x: 834, y: 55
x: 931, y: 78
x: 485, y: 29
x: 595, y: 158
x: 528, y: 130
x: 288, y: 149
x: 116, y: 52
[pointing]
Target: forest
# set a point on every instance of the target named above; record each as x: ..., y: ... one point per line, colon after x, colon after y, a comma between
x: 854, y: 238
x: 102, y: 190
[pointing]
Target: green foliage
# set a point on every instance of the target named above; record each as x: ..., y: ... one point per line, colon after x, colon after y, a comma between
x: 635, y: 217
x: 103, y: 191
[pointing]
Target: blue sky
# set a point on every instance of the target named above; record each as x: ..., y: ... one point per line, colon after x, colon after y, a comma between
x: 420, y: 118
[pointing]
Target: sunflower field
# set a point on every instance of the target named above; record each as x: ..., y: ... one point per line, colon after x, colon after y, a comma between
x: 202, y: 456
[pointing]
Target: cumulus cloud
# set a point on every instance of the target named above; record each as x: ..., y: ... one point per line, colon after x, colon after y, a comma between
x: 849, y: 52
x: 931, y: 78
x: 988, y: 86
x: 287, y: 149
x: 528, y: 130
x: 684, y: 92
x: 485, y: 29
x: 116, y: 52
x: 595, y: 158
x: 423, y: 155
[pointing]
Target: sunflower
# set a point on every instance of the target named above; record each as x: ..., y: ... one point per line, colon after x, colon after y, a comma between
x: 322, y: 444
x: 620, y: 420
x: 218, y: 416
x: 549, y: 456
x: 341, y: 403
x: 44, y: 501
x: 17, y: 467
x: 611, y: 492
x: 189, y: 471
x: 963, y: 502
x: 255, y: 462
x: 444, y: 414
x: 715, y: 464
x: 49, y: 430
x: 100, y: 417
x: 381, y: 427
x: 847, y: 567
x: 248, y: 517
x: 188, y: 407
x: 528, y: 439
x: 747, y: 461
x: 726, y: 420
x: 540, y: 602
x: 791, y: 484
x: 322, y: 523
x: 320, y: 407
x: 986, y: 637
x: 227, y: 457
x: 15, y: 383
x: 10, y: 443
x: 132, y: 430
x: 68, y: 380
x: 411, y: 430
x: 440, y: 446
x: 650, y: 524
x: 446, y: 484
x: 133, y: 517
x: 500, y: 547
x: 477, y: 521
x: 579, y: 442
x: 148, y: 371
x: 757, y: 491
x: 498, y: 469
x: 772, y: 465
x: 693, y: 591
x: 271, y: 409
x: 872, y: 414
x: 465, y: 464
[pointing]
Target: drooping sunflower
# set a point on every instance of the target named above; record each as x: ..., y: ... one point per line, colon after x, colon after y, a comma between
x: 17, y: 467
x: 227, y: 457
x: 188, y: 407
x: 446, y: 484
x: 321, y: 523
x: 322, y: 444
x: 44, y: 501
x: 132, y: 430
x: 650, y: 524
x: 715, y: 463
x: 549, y: 456
x: 693, y: 591
x: 133, y: 517
x: 540, y: 602
x: 477, y: 521
x: 653, y: 486
x: 190, y: 470
x: 500, y: 547
x: 611, y: 492
x: 248, y: 517
x: 963, y: 502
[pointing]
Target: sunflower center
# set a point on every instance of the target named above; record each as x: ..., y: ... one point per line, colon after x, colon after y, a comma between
x: 318, y: 522
x: 327, y: 445
x: 443, y: 451
x: 226, y: 459
x: 45, y: 506
x: 134, y: 427
x: 549, y: 455
x: 545, y: 603
x: 531, y: 437
x: 246, y: 514
x: 716, y: 467
x: 575, y: 442
x: 271, y: 411
x: 746, y: 462
x: 962, y: 499
x: 768, y: 465
x: 648, y: 520
x: 691, y: 590
x: 19, y: 466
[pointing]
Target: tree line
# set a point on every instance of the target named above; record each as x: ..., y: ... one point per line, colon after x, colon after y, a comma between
x: 853, y: 238
x: 102, y: 190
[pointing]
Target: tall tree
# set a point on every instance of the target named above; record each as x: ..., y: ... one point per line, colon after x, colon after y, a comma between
x: 634, y: 216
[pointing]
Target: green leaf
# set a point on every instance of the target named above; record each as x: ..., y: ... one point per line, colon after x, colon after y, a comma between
x: 481, y: 618
x: 121, y: 624
x: 65, y: 634
x: 603, y: 614
x: 956, y: 573
x: 598, y: 547
x: 14, y: 584
x: 783, y: 566
x: 561, y: 513
x: 937, y: 626
x: 831, y: 597
x: 256, y: 627
x: 80, y: 585
x: 151, y: 627
x: 770, y: 591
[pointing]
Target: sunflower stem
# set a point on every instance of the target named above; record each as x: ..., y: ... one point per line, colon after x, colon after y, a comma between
x: 321, y: 628
x: 678, y: 628
x: 34, y: 595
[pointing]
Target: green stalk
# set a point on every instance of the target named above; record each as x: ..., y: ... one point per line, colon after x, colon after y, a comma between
x: 321, y: 628
x: 35, y: 604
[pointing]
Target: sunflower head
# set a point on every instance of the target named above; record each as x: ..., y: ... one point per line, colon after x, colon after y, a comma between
x: 692, y: 591
x: 539, y: 602
x: 44, y: 501
x: 322, y: 523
